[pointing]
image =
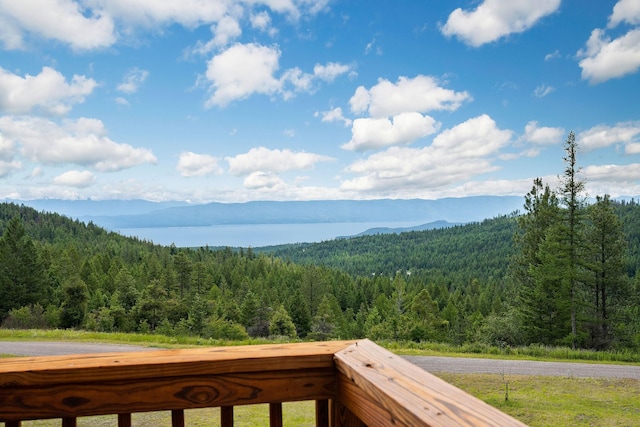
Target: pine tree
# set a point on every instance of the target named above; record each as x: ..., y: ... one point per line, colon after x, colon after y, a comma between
x: 571, y: 192
x: 23, y: 277
x: 537, y: 298
x: 608, y: 282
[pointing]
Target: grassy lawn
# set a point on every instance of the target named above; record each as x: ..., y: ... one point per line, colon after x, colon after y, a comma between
x: 557, y: 401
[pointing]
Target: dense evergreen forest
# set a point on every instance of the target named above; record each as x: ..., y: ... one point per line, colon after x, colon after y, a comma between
x: 453, y: 285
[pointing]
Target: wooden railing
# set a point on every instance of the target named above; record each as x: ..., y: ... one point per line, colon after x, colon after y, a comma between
x: 354, y: 383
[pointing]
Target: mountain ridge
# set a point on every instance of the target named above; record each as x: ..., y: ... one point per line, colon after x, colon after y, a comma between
x: 140, y: 214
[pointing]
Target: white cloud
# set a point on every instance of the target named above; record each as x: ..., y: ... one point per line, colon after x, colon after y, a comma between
x: 542, y: 135
x: 494, y: 19
x: 7, y: 168
x: 543, y: 90
x: 330, y: 71
x: 603, y: 136
x: 334, y: 115
x: 82, y: 142
x: 373, y: 133
x: 133, y: 80
x: 62, y: 20
x: 456, y: 155
x: 257, y: 180
x: 246, y: 69
x: 75, y: 178
x: 632, y: 148
x: 152, y: 13
x: 421, y: 94
x: 622, y: 174
x: 625, y: 11
x: 289, y: 133
x: 192, y: 164
x: 262, y: 22
x: 48, y: 90
x: 605, y: 59
x: 242, y: 70
x: 262, y: 159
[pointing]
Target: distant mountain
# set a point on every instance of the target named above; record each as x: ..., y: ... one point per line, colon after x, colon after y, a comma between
x: 328, y: 211
x: 395, y: 230
x: 122, y: 214
x: 79, y: 209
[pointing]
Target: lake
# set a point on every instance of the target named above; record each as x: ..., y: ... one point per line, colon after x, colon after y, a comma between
x: 254, y: 235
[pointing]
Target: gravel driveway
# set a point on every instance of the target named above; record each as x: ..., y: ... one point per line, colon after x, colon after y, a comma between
x: 428, y: 363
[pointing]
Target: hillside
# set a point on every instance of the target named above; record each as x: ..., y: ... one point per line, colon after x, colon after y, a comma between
x: 457, y: 254
x: 447, y: 284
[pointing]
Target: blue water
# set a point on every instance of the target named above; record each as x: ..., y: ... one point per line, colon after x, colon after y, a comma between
x: 254, y: 235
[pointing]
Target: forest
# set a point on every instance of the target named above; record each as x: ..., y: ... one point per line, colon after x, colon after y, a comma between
x: 563, y: 272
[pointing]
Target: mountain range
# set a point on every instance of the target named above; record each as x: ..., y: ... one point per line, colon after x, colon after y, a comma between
x: 120, y: 214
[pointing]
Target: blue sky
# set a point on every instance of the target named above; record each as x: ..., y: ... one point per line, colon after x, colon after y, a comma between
x: 231, y: 101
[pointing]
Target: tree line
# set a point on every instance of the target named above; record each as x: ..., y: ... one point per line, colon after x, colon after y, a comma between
x: 563, y: 272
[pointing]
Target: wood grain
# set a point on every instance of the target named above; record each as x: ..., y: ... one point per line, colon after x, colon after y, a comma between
x: 409, y: 395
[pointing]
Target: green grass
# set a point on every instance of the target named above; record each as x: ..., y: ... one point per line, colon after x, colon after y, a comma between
x: 557, y: 401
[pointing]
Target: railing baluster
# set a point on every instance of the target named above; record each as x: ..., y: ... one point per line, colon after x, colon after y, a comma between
x: 69, y: 422
x: 275, y: 414
x: 177, y: 418
x: 226, y: 416
x: 322, y: 413
x: 124, y: 420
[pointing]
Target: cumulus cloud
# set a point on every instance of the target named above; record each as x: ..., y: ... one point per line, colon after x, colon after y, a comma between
x: 264, y: 160
x: 334, y: 115
x: 132, y: 81
x: 456, y: 155
x: 494, y: 19
x: 603, y: 136
x: 625, y: 11
x: 419, y: 94
x: 262, y: 22
x: 330, y: 71
x: 242, y: 70
x: 258, y: 179
x: 621, y: 174
x: 82, y: 142
x: 74, y: 178
x: 48, y: 91
x: 62, y: 20
x: 246, y: 69
x: 192, y: 164
x: 93, y: 24
x: 604, y: 59
x: 542, y: 135
x: 150, y: 13
x: 374, y: 133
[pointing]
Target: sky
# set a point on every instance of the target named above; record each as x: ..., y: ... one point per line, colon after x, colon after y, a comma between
x: 233, y: 101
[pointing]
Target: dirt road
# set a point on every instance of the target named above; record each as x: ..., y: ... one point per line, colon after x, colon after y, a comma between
x: 429, y: 363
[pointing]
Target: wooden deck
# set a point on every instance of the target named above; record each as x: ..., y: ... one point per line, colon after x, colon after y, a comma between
x: 354, y: 383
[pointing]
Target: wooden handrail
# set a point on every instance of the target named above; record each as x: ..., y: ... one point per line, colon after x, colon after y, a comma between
x: 354, y: 383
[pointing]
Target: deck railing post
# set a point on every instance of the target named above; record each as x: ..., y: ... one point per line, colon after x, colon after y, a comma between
x: 275, y: 414
x: 322, y: 413
x: 226, y: 416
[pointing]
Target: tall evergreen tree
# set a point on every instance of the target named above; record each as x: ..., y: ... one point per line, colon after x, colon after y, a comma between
x: 608, y: 282
x: 23, y: 277
x: 537, y: 299
x: 572, y: 199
